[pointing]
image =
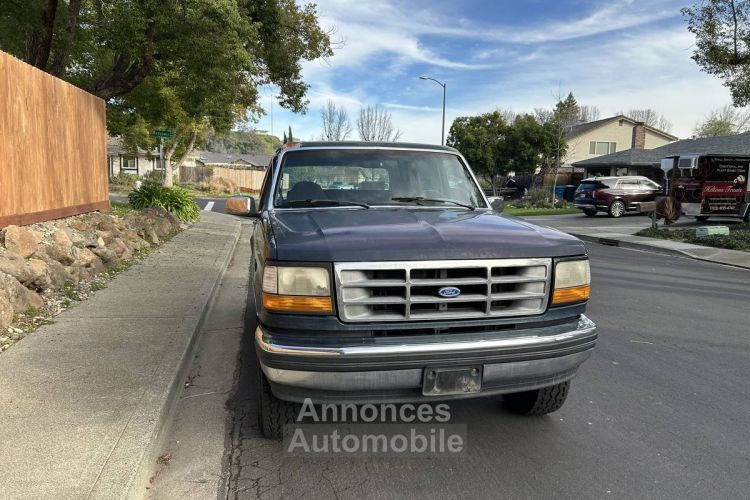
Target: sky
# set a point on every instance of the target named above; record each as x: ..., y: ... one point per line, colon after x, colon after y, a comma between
x: 504, y: 54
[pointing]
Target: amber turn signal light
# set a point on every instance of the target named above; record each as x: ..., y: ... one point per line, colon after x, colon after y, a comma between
x: 297, y: 303
x: 571, y: 294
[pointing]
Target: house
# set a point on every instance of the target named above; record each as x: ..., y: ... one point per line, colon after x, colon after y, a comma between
x: 127, y: 161
x: 647, y: 162
x: 208, y: 158
x: 610, y: 135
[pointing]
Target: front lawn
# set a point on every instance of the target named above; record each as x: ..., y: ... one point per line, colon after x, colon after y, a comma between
x: 525, y: 212
x: 737, y: 239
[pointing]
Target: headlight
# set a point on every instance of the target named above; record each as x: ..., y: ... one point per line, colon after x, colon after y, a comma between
x: 572, y: 282
x: 297, y: 289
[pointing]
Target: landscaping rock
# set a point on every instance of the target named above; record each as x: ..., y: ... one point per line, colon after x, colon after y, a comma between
x: 55, y: 272
x: 20, y: 297
x: 22, y: 240
x: 61, y: 248
x: 6, y: 313
x: 107, y: 255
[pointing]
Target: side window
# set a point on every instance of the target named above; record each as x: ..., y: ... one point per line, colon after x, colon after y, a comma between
x: 266, y: 186
x: 646, y: 184
x: 628, y: 185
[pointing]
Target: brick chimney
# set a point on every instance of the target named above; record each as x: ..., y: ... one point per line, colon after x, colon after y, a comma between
x: 639, y: 136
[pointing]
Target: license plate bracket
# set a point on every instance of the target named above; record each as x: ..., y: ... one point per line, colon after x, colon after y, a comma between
x: 452, y: 380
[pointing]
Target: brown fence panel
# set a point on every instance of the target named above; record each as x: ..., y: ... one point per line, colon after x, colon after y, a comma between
x: 53, y: 146
x: 249, y: 180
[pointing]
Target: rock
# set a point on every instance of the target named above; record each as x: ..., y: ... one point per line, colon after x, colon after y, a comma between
x: 6, y: 313
x: 31, y: 273
x: 40, y: 279
x: 55, y: 271
x: 105, y: 236
x: 22, y: 240
x: 20, y: 297
x: 107, y: 255
x: 121, y: 249
x: 61, y: 248
x: 85, y: 257
x: 151, y: 236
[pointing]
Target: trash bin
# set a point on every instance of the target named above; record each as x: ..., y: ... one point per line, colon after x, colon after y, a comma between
x: 559, y: 191
x: 570, y: 193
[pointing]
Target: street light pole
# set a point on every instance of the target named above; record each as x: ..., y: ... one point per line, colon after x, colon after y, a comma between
x: 442, y: 84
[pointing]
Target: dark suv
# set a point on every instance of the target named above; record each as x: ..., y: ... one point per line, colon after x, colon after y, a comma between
x: 409, y: 286
x: 615, y: 195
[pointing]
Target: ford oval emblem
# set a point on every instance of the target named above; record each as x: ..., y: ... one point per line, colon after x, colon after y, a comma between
x: 449, y: 291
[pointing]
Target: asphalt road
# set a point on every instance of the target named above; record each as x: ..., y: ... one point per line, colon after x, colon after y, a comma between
x: 661, y: 410
x: 635, y: 222
x: 209, y: 204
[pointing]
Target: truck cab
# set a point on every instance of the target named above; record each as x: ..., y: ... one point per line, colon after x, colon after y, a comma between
x: 407, y: 287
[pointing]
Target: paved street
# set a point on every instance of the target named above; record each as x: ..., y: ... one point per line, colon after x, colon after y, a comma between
x: 208, y: 204
x: 660, y: 411
x: 628, y: 223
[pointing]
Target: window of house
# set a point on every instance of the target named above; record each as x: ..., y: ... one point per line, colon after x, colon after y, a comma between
x: 128, y: 163
x: 602, y: 148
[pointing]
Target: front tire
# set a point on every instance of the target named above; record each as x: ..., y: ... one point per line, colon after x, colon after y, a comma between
x: 589, y: 211
x: 539, y: 402
x: 617, y: 209
x: 273, y: 413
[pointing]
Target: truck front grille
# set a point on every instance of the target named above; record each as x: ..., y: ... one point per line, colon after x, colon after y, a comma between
x: 409, y: 291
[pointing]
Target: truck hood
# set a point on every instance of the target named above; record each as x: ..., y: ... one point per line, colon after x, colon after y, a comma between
x: 381, y: 234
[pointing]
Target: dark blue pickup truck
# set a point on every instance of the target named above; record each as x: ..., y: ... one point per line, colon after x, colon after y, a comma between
x: 408, y: 286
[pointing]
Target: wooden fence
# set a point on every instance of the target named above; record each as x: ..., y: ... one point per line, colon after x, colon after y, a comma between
x: 53, y: 147
x: 248, y: 179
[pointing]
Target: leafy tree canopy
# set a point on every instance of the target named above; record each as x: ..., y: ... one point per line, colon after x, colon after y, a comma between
x: 722, y: 48
x: 187, y: 65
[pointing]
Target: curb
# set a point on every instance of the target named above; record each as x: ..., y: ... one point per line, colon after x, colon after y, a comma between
x: 654, y: 249
x: 145, y: 468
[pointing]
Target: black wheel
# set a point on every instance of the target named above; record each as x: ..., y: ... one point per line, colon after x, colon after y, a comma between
x: 701, y: 218
x: 273, y: 413
x: 538, y: 402
x: 589, y: 211
x: 617, y: 209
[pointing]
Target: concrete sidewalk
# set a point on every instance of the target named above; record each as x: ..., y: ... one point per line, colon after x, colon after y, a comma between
x: 83, y: 401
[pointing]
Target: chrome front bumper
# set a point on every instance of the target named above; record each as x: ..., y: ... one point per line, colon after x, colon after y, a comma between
x: 392, y: 369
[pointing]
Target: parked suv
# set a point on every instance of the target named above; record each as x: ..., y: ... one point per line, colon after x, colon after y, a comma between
x: 409, y: 287
x: 615, y: 195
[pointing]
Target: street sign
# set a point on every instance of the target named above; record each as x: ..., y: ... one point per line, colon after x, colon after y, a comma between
x: 162, y: 133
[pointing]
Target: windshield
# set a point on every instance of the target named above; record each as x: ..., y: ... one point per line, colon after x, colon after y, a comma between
x: 375, y: 177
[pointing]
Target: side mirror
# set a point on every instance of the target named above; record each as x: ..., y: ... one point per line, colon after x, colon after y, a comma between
x: 241, y: 205
x: 496, y: 202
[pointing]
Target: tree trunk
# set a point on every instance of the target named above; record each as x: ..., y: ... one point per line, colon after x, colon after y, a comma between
x: 168, y: 174
x: 39, y: 42
x: 188, y: 150
x: 60, y: 61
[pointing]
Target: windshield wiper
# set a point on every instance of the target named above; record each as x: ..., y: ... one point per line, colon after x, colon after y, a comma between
x: 323, y: 203
x: 417, y: 199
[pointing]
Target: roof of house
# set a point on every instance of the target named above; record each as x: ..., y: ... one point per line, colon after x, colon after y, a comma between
x: 116, y: 147
x: 211, y: 158
x: 730, y: 144
x: 582, y: 128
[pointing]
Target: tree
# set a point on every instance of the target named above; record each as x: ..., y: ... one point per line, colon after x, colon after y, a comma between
x: 336, y: 125
x: 567, y: 111
x: 727, y: 120
x: 529, y: 144
x: 482, y: 140
x: 588, y: 113
x: 374, y: 124
x: 188, y: 65
x: 290, y: 136
x: 286, y: 139
x: 649, y: 117
x: 722, y: 47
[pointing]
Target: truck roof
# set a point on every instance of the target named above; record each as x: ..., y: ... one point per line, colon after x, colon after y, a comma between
x: 365, y: 144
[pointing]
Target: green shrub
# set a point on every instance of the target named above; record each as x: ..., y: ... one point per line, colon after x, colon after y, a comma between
x: 154, y: 175
x: 175, y: 200
x: 123, y: 180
